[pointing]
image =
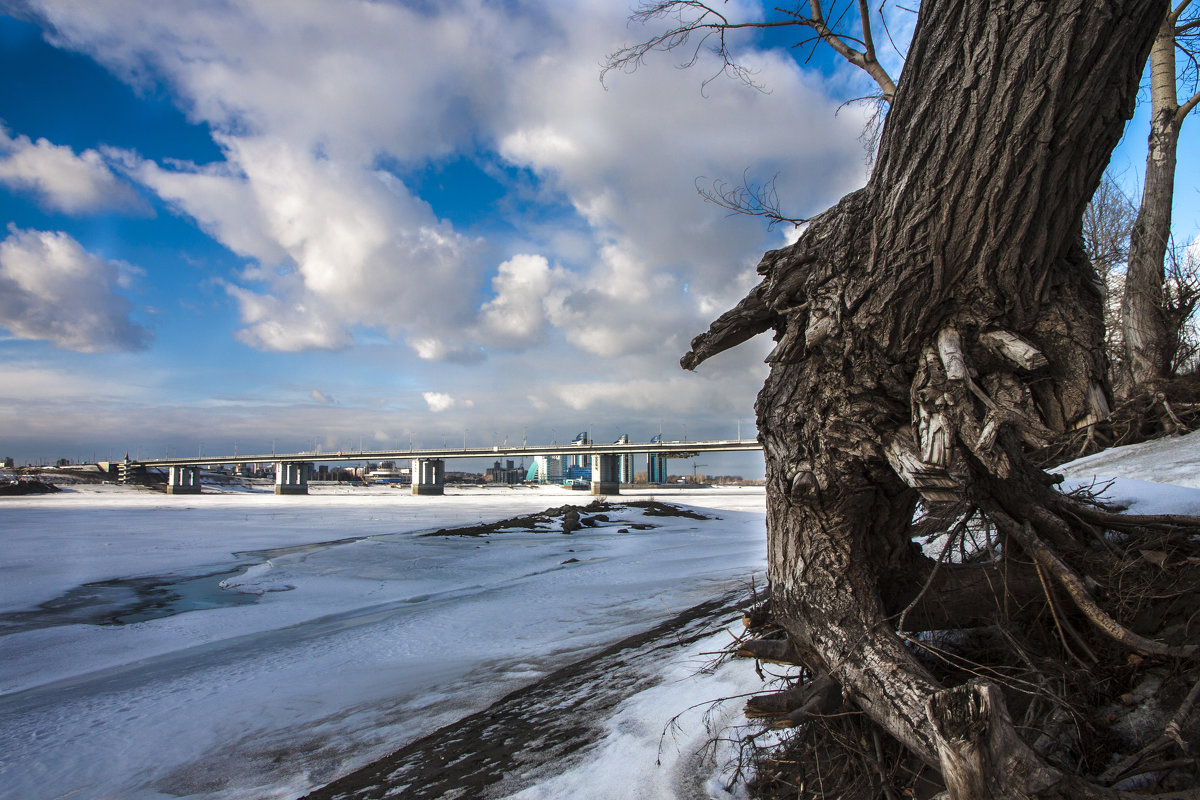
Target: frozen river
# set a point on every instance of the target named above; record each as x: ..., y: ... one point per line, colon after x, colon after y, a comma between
x: 247, y: 645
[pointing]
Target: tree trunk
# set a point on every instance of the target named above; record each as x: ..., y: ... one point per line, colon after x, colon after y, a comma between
x: 932, y: 323
x: 1144, y: 328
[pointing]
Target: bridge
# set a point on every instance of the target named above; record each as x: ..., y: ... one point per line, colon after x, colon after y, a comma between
x: 428, y: 464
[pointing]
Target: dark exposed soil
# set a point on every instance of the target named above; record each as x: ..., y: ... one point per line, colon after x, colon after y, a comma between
x: 27, y: 487
x: 572, y: 518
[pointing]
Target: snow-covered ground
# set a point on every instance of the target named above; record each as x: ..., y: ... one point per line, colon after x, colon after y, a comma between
x: 296, y: 638
x: 360, y: 636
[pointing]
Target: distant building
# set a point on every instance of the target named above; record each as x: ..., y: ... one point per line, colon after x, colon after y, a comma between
x: 656, y: 465
x: 8, y: 463
x: 656, y: 468
x: 581, y: 440
x: 388, y: 472
x: 575, y: 474
x: 546, y: 469
x: 341, y: 474
x: 505, y: 474
x: 624, y: 462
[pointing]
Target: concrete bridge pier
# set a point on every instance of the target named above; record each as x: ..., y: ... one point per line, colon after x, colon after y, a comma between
x: 606, y: 474
x: 428, y: 476
x: 183, y: 480
x: 291, y: 477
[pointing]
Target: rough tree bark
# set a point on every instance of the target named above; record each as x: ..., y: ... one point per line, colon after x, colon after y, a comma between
x: 1145, y: 329
x: 928, y: 327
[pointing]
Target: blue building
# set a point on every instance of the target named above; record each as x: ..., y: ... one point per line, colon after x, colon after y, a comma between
x: 656, y: 465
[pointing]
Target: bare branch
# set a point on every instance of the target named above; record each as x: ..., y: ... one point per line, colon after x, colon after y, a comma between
x: 864, y: 59
x: 1181, y: 297
x: 1107, y: 223
x: 864, y: 13
x: 698, y: 19
x: 749, y: 199
x: 746, y: 320
x: 888, y: 30
x: 1187, y: 107
x: 705, y: 22
x: 1187, y: 46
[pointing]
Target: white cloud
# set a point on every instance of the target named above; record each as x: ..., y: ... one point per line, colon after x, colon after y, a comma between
x: 31, y: 384
x: 61, y: 180
x: 629, y: 157
x: 322, y: 398
x: 683, y: 394
x: 438, y: 402
x: 351, y: 79
x: 516, y: 316
x: 286, y: 325
x: 217, y: 196
x: 53, y: 289
x: 431, y: 348
x: 307, y: 104
x: 332, y: 238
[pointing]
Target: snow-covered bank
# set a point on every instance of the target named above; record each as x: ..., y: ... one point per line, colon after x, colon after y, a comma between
x: 359, y: 635
x: 622, y: 723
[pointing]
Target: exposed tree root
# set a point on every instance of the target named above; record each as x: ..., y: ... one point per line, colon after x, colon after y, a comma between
x: 1047, y: 559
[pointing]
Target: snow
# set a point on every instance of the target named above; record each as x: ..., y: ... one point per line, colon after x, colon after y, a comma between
x: 316, y: 634
x: 323, y: 631
x: 1156, y: 477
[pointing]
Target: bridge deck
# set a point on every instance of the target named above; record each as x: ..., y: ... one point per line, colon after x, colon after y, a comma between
x: 666, y: 449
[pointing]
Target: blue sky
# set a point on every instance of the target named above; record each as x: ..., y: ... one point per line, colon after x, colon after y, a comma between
x: 231, y: 224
